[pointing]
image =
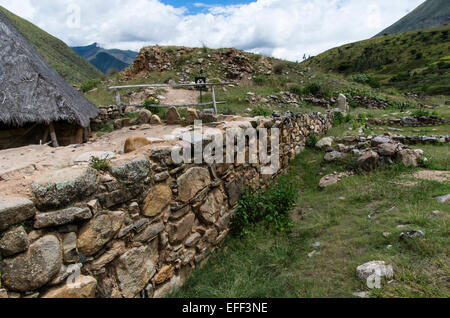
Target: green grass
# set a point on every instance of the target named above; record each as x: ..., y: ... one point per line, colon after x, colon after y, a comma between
x: 265, y: 264
x: 61, y: 57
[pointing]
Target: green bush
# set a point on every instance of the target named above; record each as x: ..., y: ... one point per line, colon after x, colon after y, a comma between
x: 339, y: 118
x: 366, y: 79
x: 149, y: 104
x: 279, y: 67
x: 295, y: 89
x: 311, y: 141
x: 313, y: 89
x: 89, y: 85
x: 271, y: 204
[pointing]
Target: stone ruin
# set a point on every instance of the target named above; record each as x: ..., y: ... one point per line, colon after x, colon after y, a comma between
x: 136, y: 230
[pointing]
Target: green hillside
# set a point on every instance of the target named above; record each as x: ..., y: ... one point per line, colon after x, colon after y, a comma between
x: 62, y: 58
x: 416, y: 61
x: 429, y: 14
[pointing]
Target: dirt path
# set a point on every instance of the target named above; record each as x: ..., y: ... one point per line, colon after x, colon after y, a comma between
x: 20, y: 166
x: 180, y: 96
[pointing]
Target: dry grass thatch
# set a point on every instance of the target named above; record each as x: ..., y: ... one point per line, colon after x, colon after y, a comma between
x: 30, y: 90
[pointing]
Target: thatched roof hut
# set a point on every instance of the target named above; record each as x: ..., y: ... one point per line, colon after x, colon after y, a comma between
x: 31, y: 92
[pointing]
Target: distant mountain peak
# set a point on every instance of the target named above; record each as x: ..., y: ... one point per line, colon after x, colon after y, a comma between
x: 106, y: 60
x: 429, y: 14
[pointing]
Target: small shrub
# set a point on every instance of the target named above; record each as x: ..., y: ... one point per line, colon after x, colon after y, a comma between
x: 265, y: 204
x: 89, y: 85
x: 99, y: 164
x: 311, y: 141
x: 339, y: 118
x: 205, y: 48
x: 149, y: 104
x: 312, y: 89
x: 261, y: 111
x: 279, y: 67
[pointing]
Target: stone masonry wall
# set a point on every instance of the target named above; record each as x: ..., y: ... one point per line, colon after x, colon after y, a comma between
x: 137, y: 230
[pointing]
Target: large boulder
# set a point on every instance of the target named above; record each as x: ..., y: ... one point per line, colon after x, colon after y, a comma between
x: 191, y: 182
x: 60, y: 188
x: 342, y: 104
x: 145, y: 116
x: 83, y: 287
x: 155, y: 120
x: 14, y: 211
x: 409, y: 157
x: 36, y: 267
x: 135, y: 268
x: 324, y: 143
x: 14, y: 242
x: 61, y: 217
x: 369, y: 160
x: 99, y: 231
x: 333, y: 156
x: 191, y: 116
x: 387, y: 149
x: 157, y: 200
x: 172, y: 116
x: 378, y: 268
x: 134, y: 143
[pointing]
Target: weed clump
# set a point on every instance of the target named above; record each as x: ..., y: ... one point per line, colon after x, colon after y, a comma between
x: 99, y: 164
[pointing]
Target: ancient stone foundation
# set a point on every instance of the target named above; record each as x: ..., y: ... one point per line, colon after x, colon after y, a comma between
x: 136, y: 230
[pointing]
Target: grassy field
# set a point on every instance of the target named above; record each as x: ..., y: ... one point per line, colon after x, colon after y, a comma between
x: 414, y: 61
x: 271, y: 264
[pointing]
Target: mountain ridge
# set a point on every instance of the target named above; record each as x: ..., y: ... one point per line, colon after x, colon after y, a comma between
x: 431, y: 13
x: 106, y: 60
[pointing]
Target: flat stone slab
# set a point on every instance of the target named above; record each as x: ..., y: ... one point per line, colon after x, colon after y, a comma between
x: 61, y: 217
x: 443, y: 199
x: 60, y: 188
x: 14, y: 211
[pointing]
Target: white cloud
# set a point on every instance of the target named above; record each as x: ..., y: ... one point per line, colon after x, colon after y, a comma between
x: 282, y: 28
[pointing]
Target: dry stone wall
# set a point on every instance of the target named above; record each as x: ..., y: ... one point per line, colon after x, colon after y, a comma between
x: 137, y: 230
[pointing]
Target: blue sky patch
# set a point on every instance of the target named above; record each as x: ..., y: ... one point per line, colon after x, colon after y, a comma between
x: 199, y: 6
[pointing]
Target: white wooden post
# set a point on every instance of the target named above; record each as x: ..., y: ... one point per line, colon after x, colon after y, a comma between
x: 118, y: 103
x: 214, y: 99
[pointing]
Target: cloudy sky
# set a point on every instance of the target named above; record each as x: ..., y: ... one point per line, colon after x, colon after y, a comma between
x: 281, y: 28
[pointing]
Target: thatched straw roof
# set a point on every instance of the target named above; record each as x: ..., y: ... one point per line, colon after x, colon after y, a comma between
x: 32, y: 91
